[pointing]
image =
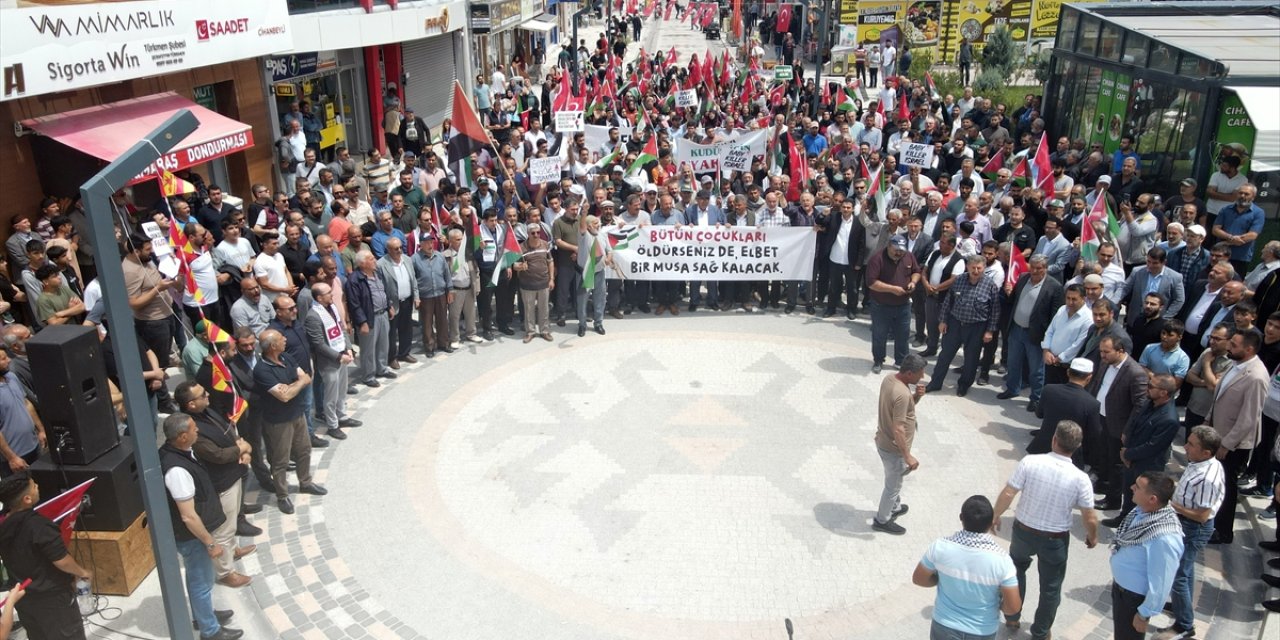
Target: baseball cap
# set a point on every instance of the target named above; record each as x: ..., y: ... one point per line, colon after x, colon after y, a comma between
x: 1056, y: 203
x: 1196, y: 229
x: 898, y: 242
x: 1093, y: 278
x: 650, y: 188
x: 1082, y: 365
x: 410, y: 154
x: 706, y: 179
x: 1105, y: 179
x: 616, y: 167
x: 1188, y: 182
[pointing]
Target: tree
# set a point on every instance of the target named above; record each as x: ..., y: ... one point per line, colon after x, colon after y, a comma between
x: 998, y: 53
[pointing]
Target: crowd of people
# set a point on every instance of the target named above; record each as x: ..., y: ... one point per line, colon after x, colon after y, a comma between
x: 1164, y: 330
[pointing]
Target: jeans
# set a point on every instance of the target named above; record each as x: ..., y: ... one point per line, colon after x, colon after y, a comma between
x: 939, y: 632
x: 895, y: 469
x: 195, y: 557
x: 695, y: 292
x: 1052, y: 556
x: 1124, y: 605
x: 1194, y: 537
x: 1024, y: 354
x: 889, y: 320
x: 597, y: 300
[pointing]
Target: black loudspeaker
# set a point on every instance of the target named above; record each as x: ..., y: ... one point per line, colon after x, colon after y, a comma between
x: 75, y: 401
x: 115, y: 499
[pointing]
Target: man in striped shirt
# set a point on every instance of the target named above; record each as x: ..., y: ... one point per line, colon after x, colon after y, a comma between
x: 1196, y: 499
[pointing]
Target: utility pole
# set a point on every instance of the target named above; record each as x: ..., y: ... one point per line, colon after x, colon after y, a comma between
x: 822, y: 41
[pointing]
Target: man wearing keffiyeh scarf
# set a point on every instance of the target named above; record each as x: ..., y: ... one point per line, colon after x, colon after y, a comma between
x: 975, y: 577
x: 1144, y: 556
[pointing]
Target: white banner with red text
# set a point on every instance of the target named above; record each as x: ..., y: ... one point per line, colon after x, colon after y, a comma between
x: 712, y: 253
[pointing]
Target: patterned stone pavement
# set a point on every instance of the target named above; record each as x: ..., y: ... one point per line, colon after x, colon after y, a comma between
x: 719, y: 478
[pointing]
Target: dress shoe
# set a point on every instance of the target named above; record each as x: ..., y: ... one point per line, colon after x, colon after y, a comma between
x: 1270, y: 545
x: 246, y: 529
x: 244, y: 551
x: 266, y: 483
x: 223, y: 616
x: 660, y: 308
x: 318, y: 443
x: 900, y: 511
x: 349, y: 423
x: 528, y: 337
x: 809, y: 309
x: 644, y: 308
x: 394, y: 364
x: 372, y: 384
x: 1272, y: 581
x: 889, y: 527
x: 507, y: 331
x: 559, y: 322
x: 692, y: 308
x: 1112, y: 522
x: 351, y: 391
x: 789, y: 309
x: 962, y: 391
x: 1033, y: 406
x: 852, y: 315
x: 225, y: 633
x: 582, y: 330
x: 429, y: 354
x: 547, y: 336
x: 409, y: 359
x: 234, y: 580
x: 487, y: 335
x: 599, y: 328
x: 389, y: 375
x: 336, y: 433
x: 1106, y: 505
x: 313, y: 489
x: 616, y: 314
x: 286, y: 505
x: 250, y: 508
x: 1274, y: 563
x: 447, y: 350
x: 933, y: 388
x: 1272, y: 605
x: 927, y: 353
x: 1005, y: 395
x: 675, y: 310
x: 828, y: 313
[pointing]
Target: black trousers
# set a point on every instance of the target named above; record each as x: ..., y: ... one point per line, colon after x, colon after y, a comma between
x: 1114, y: 470
x: 400, y: 337
x: 636, y: 293
x: 53, y: 616
x: 505, y: 296
x: 844, y: 279
x: 567, y: 278
x: 250, y: 428
x: 1124, y: 606
x: 157, y: 335
x: 485, y: 299
x: 966, y: 335
x: 665, y: 293
x: 1224, y: 523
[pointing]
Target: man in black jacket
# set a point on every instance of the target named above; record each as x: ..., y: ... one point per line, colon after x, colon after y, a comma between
x: 1147, y: 438
x: 1069, y: 401
x: 195, y: 510
x: 250, y: 423
x: 224, y: 455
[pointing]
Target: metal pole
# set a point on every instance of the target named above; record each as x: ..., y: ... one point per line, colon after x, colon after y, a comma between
x: 573, y: 46
x: 822, y: 39
x: 96, y: 195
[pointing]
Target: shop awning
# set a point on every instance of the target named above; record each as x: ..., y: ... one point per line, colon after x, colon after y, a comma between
x: 108, y: 130
x: 542, y: 23
x: 1261, y: 103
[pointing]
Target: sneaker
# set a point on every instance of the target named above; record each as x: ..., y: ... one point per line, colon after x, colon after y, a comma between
x: 474, y: 338
x: 1257, y: 492
x: 1269, y: 513
x: 889, y: 527
x: 455, y: 345
x: 875, y: 368
x: 1245, y: 480
x: 1001, y: 370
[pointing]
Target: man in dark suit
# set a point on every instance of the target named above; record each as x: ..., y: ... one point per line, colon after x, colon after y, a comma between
x: 842, y: 245
x: 1168, y: 282
x: 1121, y: 389
x: 1104, y: 324
x: 1069, y: 401
x: 932, y: 214
x: 250, y: 424
x: 703, y: 214
x: 920, y: 246
x: 1033, y: 301
x: 1147, y: 438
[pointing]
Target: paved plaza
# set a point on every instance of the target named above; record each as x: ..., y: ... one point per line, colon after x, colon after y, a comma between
x: 700, y: 477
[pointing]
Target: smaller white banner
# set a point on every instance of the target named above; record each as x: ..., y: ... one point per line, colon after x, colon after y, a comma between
x: 737, y: 159
x: 916, y: 155
x: 569, y: 121
x: 687, y: 98
x: 544, y: 170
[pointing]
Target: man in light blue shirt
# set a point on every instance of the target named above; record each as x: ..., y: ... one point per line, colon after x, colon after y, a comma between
x: 1167, y: 357
x: 1065, y: 335
x: 1144, y: 556
x: 975, y: 577
x: 1055, y: 247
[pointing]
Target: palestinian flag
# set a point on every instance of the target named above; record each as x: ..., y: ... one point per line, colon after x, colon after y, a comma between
x: 1020, y: 172
x: 995, y: 164
x: 603, y: 163
x: 648, y: 154
x: 877, y: 184
x: 468, y: 135
x: 593, y: 261
x: 510, y: 254
x: 844, y: 102
x: 933, y: 89
x: 1100, y: 216
x: 623, y: 239
x: 476, y: 241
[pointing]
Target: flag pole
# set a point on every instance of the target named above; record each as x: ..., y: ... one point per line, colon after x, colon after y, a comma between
x: 487, y: 134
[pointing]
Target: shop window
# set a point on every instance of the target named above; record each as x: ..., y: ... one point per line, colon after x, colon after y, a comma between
x: 1067, y: 28
x: 1086, y: 104
x: 1194, y: 66
x: 1166, y: 123
x: 1089, y: 36
x: 1109, y: 44
x: 1135, y: 49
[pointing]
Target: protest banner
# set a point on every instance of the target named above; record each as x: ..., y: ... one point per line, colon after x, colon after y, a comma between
x: 714, y: 253
x: 916, y: 155
x: 594, y: 137
x: 544, y: 170
x: 687, y: 98
x: 569, y: 121
x: 737, y: 159
x: 706, y: 158
x: 783, y: 72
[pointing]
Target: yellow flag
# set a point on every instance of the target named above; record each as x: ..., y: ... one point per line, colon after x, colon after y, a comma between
x: 171, y: 185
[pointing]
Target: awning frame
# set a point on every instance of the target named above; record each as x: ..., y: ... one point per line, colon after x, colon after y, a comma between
x: 1263, y: 106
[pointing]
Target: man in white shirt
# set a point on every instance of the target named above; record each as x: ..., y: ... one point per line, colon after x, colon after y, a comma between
x: 1052, y: 488
x: 270, y: 269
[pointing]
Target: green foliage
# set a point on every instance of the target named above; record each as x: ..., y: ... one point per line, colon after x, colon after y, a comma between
x: 999, y: 54
x: 921, y: 62
x: 1041, y: 64
x: 989, y: 82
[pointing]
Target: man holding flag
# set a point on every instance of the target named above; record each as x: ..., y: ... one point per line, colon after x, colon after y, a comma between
x: 593, y: 255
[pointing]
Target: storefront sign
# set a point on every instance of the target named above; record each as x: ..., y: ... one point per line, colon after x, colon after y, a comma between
x: 481, y: 21
x: 977, y: 21
x: 916, y: 155
x: 203, y: 96
x: 921, y: 20
x: 438, y: 24
x: 294, y: 65
x: 746, y: 253
x: 848, y: 11
x: 1044, y: 21
x: 544, y: 170
x: 46, y: 49
x: 495, y: 16
x: 197, y: 154
x: 1235, y: 125
x: 1111, y: 110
